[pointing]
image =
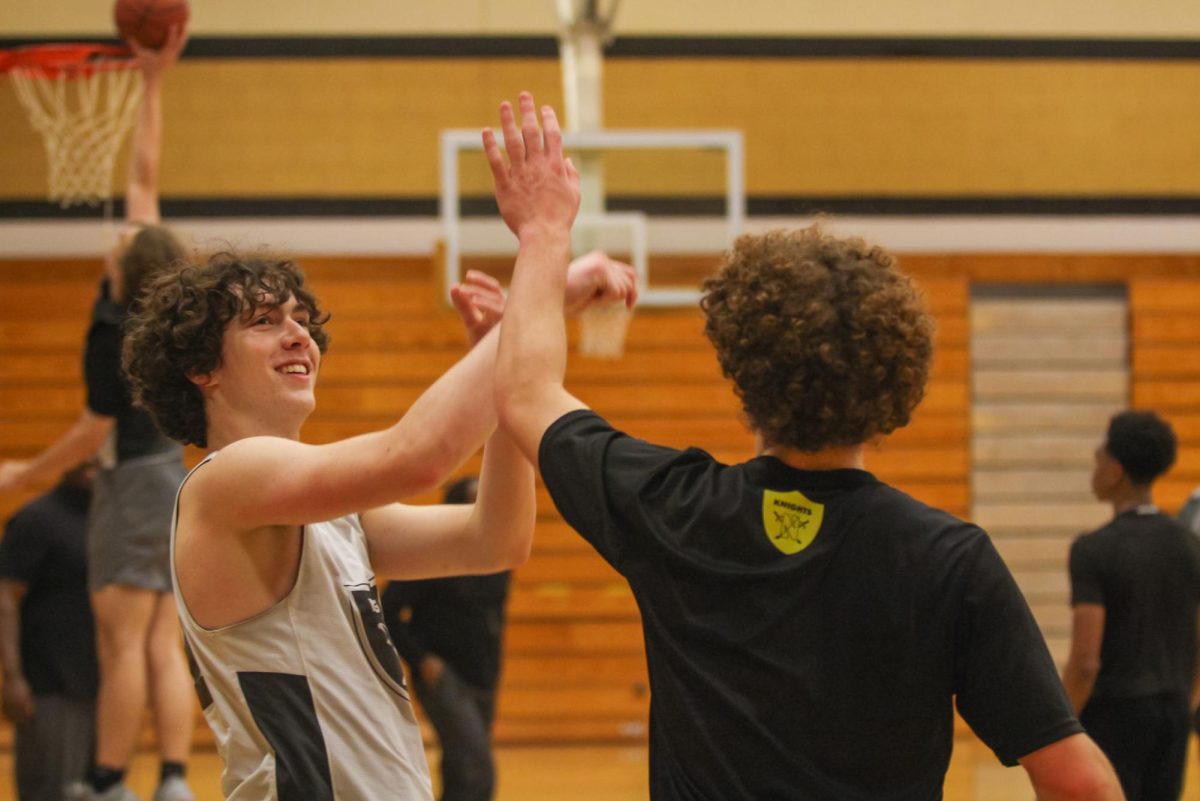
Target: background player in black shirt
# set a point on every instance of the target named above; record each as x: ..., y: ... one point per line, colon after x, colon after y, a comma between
x: 47, y: 642
x: 1135, y: 588
x: 808, y: 629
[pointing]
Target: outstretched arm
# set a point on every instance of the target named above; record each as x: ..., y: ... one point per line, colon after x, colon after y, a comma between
x: 77, y: 444
x: 492, y: 534
x: 538, y: 194
x: 141, y: 192
x: 443, y: 427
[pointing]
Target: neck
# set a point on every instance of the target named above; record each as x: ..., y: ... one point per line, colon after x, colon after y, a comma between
x: 849, y: 457
x: 1130, y: 497
x: 225, y: 428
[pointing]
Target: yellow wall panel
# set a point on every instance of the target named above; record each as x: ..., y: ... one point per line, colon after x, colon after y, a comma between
x: 369, y: 127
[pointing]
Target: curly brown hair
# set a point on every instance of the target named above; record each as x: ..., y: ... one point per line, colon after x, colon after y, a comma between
x: 178, y: 327
x: 826, y: 342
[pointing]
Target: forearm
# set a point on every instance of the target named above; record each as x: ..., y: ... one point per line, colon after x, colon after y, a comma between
x: 10, y: 627
x: 77, y: 444
x: 533, y: 349
x: 142, y: 189
x: 1079, y: 681
x: 506, y: 504
x: 448, y: 422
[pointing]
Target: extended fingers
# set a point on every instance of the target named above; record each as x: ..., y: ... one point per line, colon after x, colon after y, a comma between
x: 531, y: 134
x: 483, y: 280
x: 495, y: 158
x: 553, y: 134
x: 512, y: 136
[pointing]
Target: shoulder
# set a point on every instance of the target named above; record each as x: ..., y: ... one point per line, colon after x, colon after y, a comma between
x: 1091, y: 545
x: 917, y: 518
x: 583, y: 437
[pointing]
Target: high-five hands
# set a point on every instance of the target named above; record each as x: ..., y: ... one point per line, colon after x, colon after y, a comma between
x: 538, y: 189
x: 596, y: 279
x: 479, y: 300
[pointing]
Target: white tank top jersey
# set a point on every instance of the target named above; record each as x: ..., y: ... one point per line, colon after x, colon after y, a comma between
x: 307, y: 699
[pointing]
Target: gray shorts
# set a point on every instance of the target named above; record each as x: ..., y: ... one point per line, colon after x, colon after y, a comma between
x: 129, y: 522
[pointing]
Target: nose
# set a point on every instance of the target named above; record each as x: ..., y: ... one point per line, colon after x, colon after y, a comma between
x: 295, y: 334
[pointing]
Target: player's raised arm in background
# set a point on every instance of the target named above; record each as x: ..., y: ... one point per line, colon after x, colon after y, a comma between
x: 90, y: 430
x: 538, y: 194
x: 141, y: 192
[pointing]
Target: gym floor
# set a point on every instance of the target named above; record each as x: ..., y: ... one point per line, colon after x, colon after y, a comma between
x: 618, y: 773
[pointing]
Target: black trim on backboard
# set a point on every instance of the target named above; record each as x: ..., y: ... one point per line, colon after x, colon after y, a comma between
x: 768, y: 47
x: 757, y: 206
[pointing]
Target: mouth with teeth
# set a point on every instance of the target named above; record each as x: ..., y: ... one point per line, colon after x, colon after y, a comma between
x: 293, y: 369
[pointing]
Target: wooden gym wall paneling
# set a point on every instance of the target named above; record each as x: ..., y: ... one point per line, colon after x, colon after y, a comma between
x: 1165, y: 360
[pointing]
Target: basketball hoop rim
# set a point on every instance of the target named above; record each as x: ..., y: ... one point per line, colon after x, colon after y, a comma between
x: 78, y: 60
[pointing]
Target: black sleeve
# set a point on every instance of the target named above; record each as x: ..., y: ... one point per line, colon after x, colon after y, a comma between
x: 106, y: 392
x: 23, y: 549
x: 1086, y: 587
x: 397, y: 597
x: 597, y: 475
x: 1007, y: 686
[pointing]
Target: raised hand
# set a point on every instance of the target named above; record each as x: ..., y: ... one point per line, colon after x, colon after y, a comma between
x: 480, y: 302
x: 537, y: 190
x: 594, y: 278
x: 153, y: 62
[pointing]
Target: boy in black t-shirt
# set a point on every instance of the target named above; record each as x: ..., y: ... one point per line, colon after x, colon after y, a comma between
x: 808, y: 629
x: 1135, y: 591
x: 47, y: 639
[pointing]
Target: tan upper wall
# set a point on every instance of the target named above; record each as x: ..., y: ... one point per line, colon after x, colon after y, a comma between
x: 1015, y: 18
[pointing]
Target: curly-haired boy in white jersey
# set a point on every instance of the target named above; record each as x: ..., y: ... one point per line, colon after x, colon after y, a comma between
x: 277, y: 544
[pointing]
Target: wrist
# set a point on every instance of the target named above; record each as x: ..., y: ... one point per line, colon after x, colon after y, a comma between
x: 540, y: 234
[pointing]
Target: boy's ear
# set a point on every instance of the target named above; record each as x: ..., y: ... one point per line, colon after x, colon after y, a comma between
x: 202, y: 380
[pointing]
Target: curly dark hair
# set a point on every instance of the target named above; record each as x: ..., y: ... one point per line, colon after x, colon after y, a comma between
x: 826, y: 342
x: 1143, y: 443
x: 177, y: 328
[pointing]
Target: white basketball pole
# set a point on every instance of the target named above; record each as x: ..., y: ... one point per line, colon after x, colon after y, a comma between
x: 583, y: 33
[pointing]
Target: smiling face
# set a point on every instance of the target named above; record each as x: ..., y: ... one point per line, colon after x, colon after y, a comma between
x: 268, y: 371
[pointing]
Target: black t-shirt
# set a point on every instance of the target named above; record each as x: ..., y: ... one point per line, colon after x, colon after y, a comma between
x: 1144, y: 569
x: 44, y: 547
x: 107, y: 392
x: 460, y: 619
x: 807, y: 633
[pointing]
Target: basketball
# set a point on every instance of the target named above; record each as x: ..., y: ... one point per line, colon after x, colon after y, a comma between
x: 147, y: 22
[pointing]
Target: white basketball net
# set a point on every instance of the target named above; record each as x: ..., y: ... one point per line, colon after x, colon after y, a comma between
x: 83, y: 119
x: 602, y: 331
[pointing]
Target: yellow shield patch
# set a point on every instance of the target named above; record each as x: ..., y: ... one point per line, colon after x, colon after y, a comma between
x: 791, y: 520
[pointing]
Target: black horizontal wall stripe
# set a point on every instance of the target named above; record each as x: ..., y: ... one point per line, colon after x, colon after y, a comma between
x: 302, y: 47
x: 757, y: 205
